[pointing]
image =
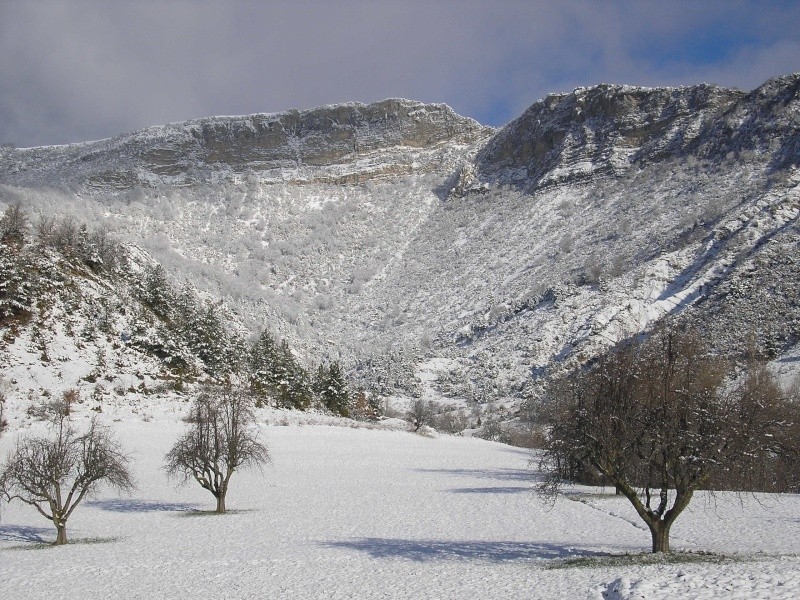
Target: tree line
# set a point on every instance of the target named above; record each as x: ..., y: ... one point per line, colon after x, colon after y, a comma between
x: 194, y: 339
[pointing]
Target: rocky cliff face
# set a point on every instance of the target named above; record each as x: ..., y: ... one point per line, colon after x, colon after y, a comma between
x: 343, y: 144
x: 601, y: 129
x: 400, y: 234
x: 609, y: 129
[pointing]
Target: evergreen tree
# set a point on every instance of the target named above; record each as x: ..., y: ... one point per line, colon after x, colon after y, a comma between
x: 184, y: 307
x: 17, y: 281
x: 156, y: 292
x: 210, y: 343
x: 237, y: 354
x: 261, y: 362
x: 320, y: 379
x: 333, y: 389
x: 14, y: 227
x: 295, y: 391
x: 275, y: 373
x: 18, y: 277
x: 364, y: 406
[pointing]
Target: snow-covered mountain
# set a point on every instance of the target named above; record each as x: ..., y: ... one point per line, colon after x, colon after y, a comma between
x: 415, y: 242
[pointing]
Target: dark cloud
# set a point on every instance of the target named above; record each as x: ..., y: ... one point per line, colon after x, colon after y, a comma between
x: 72, y: 71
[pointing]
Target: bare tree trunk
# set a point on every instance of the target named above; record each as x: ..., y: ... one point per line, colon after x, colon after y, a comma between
x: 659, y: 530
x: 221, y: 503
x: 61, y: 536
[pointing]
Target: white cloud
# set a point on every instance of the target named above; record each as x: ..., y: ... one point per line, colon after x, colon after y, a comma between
x: 80, y: 70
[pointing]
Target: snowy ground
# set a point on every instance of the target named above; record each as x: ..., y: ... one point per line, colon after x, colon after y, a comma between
x: 355, y: 513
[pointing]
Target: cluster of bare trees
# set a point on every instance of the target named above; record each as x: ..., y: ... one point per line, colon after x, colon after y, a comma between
x: 53, y: 473
x: 662, y: 418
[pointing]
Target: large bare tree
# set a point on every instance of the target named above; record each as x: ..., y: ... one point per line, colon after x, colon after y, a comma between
x: 659, y: 419
x: 54, y: 473
x: 220, y: 440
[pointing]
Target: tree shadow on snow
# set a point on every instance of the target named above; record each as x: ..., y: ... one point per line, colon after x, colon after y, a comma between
x: 429, y: 550
x: 213, y: 513
x: 491, y: 490
x: 141, y: 506
x: 19, y: 533
x: 499, y: 474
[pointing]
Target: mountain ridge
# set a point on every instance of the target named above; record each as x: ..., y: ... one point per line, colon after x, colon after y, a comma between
x: 478, y: 262
x: 275, y: 145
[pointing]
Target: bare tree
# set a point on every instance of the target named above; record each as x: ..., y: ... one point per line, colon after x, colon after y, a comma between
x: 421, y: 413
x: 3, y: 422
x: 219, y: 441
x: 54, y: 473
x: 656, y: 419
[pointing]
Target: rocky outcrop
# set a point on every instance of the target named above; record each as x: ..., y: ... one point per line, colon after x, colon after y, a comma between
x: 341, y: 143
x: 318, y: 138
x: 606, y: 129
x: 610, y: 128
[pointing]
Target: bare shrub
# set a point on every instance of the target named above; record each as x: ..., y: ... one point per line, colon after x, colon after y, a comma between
x: 450, y: 421
x: 420, y: 414
x: 70, y: 397
x: 528, y: 435
x: 492, y: 430
x: 3, y: 397
x: 3, y: 421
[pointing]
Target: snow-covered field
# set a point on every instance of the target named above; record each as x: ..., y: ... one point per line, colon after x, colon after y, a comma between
x: 361, y: 513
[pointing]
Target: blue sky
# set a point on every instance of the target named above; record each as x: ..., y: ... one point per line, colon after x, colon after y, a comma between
x: 79, y: 70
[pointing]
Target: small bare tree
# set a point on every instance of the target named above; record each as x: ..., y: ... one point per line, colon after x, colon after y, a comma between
x: 657, y: 420
x: 219, y: 441
x: 3, y: 422
x: 420, y: 414
x: 54, y: 473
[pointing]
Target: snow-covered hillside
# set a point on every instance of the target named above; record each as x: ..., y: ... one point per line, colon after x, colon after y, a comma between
x: 402, y: 235
x: 355, y: 513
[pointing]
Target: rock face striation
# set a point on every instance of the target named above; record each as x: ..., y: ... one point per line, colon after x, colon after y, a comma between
x: 440, y: 257
x: 346, y: 143
x: 611, y: 128
x: 604, y: 129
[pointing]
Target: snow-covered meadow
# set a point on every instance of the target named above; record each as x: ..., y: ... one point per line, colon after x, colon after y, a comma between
x: 343, y: 512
